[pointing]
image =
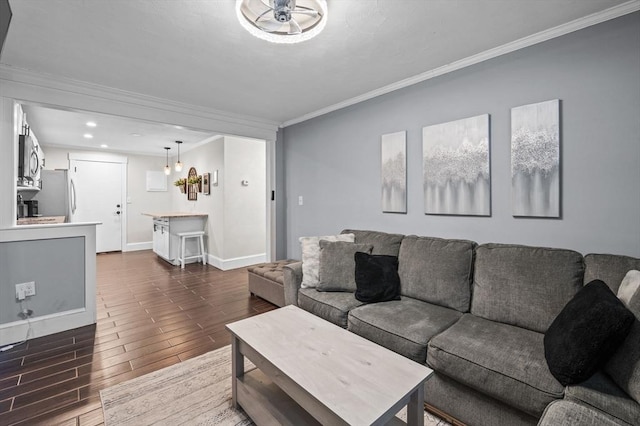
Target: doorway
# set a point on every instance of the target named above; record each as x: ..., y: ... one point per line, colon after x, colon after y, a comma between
x: 97, y: 194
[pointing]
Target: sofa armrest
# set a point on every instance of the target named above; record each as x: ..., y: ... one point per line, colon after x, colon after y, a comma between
x: 292, y: 280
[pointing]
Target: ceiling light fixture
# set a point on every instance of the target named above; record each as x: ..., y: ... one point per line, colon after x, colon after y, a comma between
x: 178, y: 163
x: 282, y: 21
x: 91, y: 124
x: 88, y: 136
x: 167, y: 168
x: 104, y: 145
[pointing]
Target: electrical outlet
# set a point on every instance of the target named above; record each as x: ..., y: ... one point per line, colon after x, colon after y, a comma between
x: 25, y: 290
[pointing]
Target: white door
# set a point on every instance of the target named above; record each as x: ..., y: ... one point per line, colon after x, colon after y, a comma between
x: 96, y: 196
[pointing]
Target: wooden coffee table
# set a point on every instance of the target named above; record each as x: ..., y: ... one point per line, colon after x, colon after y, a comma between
x: 310, y: 371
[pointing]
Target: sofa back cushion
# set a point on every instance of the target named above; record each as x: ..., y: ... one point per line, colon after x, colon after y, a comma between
x: 383, y: 243
x: 524, y: 286
x: 437, y: 270
x: 610, y: 268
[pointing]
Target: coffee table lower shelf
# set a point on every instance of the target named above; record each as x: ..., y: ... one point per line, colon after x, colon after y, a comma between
x: 262, y: 399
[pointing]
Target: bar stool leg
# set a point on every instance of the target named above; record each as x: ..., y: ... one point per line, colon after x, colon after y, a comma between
x: 204, y: 262
x: 182, y: 244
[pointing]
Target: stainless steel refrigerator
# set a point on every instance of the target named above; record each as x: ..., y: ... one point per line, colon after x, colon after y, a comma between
x: 56, y: 197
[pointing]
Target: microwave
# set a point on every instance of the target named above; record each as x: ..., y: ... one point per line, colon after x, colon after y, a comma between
x: 29, y: 161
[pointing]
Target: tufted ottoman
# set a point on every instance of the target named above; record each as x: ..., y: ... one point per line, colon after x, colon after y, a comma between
x: 266, y: 281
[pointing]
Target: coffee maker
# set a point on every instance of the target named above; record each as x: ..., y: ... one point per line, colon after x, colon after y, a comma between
x: 32, y: 208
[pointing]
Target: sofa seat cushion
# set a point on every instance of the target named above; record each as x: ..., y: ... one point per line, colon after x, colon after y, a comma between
x: 570, y: 413
x: 501, y: 360
x: 404, y: 326
x: 600, y: 392
x: 333, y: 306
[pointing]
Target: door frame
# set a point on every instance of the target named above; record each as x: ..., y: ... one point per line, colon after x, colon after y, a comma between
x: 123, y: 160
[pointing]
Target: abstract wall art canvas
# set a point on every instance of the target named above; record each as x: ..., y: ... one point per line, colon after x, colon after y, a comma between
x: 456, y: 170
x: 535, y: 159
x: 394, y: 172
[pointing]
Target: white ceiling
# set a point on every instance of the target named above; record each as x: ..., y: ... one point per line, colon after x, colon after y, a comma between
x: 197, y: 53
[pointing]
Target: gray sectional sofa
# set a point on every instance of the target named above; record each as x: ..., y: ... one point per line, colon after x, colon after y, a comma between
x: 477, y: 314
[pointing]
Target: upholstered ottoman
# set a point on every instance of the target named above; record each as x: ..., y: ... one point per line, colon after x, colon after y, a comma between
x: 266, y: 281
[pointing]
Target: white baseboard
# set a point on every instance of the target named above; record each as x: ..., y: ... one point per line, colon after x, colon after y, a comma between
x: 138, y: 246
x: 238, y: 262
x: 16, y: 331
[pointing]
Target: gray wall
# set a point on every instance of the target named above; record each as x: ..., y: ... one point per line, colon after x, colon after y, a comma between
x: 334, y: 160
x: 281, y: 199
x: 56, y: 265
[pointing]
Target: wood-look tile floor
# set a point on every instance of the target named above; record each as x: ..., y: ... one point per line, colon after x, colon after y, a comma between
x: 150, y: 315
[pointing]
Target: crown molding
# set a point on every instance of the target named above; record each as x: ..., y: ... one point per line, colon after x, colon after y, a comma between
x: 542, y: 36
x: 49, y: 81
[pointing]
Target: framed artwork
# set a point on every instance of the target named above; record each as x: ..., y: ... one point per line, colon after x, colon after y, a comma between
x: 456, y: 169
x: 535, y: 159
x: 192, y: 184
x: 206, y: 183
x: 394, y: 172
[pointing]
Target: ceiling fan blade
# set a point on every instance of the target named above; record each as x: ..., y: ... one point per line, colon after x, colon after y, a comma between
x: 262, y: 15
x: 270, y: 25
x: 312, y: 13
x: 294, y: 28
x: 266, y: 3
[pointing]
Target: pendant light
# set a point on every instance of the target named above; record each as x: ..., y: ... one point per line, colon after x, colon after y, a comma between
x: 167, y: 169
x: 178, y: 163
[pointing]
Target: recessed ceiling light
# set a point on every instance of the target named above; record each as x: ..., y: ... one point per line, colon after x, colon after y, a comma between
x: 104, y: 145
x: 136, y: 135
x: 88, y: 136
x: 178, y: 127
x: 91, y: 124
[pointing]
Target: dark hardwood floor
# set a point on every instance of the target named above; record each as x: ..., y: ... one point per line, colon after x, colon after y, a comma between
x: 149, y: 315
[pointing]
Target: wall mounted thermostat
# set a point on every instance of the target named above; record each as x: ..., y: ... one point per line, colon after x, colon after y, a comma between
x: 245, y: 183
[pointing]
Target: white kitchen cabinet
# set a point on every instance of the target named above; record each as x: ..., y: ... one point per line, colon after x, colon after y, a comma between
x: 166, y: 226
x: 161, y: 238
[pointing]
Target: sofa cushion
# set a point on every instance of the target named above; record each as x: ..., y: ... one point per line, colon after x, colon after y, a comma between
x: 382, y: 242
x: 437, y: 271
x: 600, y: 392
x: 377, y: 278
x: 404, y: 326
x: 524, y: 286
x: 624, y: 365
x: 333, y: 306
x: 503, y: 361
x: 586, y: 333
x: 311, y: 257
x: 570, y: 413
x: 610, y: 268
x: 470, y: 406
x: 338, y: 266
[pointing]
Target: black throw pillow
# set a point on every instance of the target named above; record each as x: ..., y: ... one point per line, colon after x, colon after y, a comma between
x: 586, y: 333
x: 377, y: 277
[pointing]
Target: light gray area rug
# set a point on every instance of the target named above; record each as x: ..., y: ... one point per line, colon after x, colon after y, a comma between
x: 194, y: 392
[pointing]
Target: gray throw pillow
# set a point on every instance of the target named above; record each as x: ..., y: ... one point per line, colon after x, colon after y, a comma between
x: 311, y: 257
x: 338, y: 265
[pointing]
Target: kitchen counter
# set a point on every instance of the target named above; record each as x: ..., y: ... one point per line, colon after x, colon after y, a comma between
x: 176, y: 214
x: 41, y: 220
x: 167, y: 226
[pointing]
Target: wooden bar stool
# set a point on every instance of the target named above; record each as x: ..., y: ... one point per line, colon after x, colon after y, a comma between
x: 184, y: 236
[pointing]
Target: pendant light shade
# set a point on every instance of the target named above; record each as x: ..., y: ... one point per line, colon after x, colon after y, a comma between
x: 178, y: 163
x: 167, y: 169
